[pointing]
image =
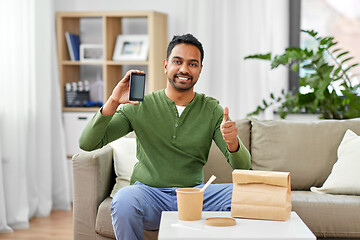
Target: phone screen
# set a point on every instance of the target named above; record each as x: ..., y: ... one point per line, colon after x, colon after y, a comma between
x: 137, y: 86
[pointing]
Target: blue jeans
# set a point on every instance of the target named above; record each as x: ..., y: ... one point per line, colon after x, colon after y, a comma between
x: 138, y: 207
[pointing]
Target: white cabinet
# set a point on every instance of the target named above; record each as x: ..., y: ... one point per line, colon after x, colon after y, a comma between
x: 75, y: 123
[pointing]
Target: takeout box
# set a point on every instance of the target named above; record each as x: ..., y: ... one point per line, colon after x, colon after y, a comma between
x: 261, y: 195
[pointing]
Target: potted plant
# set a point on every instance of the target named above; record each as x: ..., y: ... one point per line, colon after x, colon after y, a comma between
x: 322, y: 70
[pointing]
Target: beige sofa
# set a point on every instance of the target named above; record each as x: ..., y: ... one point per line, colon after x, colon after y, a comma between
x: 307, y: 150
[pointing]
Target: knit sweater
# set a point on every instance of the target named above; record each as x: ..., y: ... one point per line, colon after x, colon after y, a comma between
x: 171, y: 149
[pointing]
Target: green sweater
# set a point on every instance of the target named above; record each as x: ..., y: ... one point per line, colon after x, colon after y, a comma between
x: 171, y: 150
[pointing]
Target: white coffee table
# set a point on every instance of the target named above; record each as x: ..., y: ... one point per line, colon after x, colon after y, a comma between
x: 251, y: 229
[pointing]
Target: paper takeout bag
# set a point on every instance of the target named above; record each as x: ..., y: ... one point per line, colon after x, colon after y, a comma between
x: 261, y: 195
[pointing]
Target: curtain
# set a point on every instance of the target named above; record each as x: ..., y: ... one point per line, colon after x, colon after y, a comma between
x: 229, y: 31
x: 33, y: 175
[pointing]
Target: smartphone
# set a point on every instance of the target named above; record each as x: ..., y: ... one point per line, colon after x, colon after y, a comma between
x: 137, y: 86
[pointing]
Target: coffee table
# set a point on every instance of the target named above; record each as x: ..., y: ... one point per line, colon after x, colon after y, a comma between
x: 173, y: 228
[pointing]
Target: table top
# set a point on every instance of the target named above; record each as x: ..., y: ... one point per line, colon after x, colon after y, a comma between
x: 252, y: 229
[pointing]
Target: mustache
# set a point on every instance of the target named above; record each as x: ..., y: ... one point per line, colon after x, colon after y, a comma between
x: 183, y: 74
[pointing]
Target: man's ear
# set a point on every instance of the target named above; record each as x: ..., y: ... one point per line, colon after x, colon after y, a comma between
x: 165, y: 66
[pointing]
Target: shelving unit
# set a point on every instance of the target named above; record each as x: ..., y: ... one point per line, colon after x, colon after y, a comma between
x: 112, y: 71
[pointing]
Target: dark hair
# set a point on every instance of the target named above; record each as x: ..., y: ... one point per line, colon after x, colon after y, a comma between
x: 187, y: 39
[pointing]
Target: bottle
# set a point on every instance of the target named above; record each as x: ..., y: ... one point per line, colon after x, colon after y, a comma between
x: 96, y: 89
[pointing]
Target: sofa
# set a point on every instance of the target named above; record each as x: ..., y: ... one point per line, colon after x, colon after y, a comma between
x: 306, y: 149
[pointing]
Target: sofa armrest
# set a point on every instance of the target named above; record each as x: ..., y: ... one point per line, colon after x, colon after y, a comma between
x: 92, y: 177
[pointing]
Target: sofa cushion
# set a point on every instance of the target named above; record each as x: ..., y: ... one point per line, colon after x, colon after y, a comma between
x: 217, y: 164
x: 328, y: 215
x: 305, y: 149
x: 103, y: 224
x: 344, y: 177
x: 244, y: 126
x: 124, y: 156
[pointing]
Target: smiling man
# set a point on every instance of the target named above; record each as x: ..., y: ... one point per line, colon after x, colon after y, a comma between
x: 174, y: 129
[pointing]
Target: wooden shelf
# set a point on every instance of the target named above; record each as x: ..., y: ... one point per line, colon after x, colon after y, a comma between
x: 80, y: 109
x: 112, y: 71
x: 69, y: 62
x: 127, y: 62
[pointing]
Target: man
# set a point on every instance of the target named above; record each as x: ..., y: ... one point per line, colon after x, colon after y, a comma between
x: 174, y: 129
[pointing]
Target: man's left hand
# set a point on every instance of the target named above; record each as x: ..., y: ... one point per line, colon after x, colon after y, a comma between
x: 229, y: 132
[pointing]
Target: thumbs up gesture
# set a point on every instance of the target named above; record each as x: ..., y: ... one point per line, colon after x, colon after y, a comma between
x: 229, y: 132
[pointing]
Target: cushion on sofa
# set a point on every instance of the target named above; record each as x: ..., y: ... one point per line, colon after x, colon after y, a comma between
x: 305, y: 149
x: 124, y: 156
x: 344, y: 177
x: 244, y: 126
x: 217, y: 164
x: 328, y: 215
x: 103, y: 224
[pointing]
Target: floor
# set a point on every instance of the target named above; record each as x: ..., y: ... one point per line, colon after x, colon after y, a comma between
x: 58, y: 226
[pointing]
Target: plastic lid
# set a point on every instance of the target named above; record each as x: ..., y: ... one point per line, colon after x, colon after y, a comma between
x: 220, y: 221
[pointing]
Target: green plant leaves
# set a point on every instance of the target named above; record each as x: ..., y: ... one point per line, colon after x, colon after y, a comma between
x: 319, y: 74
x: 294, y: 67
x: 306, y: 98
x: 347, y: 59
x: 342, y: 54
x: 310, y: 32
x: 336, y: 72
x: 260, y: 56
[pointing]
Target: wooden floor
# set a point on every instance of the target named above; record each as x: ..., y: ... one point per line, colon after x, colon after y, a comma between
x: 58, y: 226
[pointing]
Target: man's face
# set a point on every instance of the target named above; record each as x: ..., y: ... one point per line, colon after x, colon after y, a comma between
x: 183, y: 66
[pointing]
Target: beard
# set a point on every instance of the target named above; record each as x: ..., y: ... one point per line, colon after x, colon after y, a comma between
x: 182, y: 85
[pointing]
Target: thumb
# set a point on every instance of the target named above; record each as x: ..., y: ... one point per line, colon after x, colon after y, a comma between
x: 226, y: 114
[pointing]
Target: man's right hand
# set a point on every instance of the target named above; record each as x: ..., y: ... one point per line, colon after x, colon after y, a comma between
x: 120, y: 95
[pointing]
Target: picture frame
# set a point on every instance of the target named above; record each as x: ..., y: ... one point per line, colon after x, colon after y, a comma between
x: 91, y: 52
x: 131, y: 48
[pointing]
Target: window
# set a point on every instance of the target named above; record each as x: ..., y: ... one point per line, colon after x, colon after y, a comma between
x: 340, y: 19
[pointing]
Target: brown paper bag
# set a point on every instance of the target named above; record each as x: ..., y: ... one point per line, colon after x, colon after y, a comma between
x: 261, y: 195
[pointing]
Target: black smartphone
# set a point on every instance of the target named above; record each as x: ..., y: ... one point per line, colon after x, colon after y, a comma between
x: 137, y: 86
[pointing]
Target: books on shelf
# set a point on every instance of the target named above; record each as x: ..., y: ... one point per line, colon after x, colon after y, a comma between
x: 73, y: 43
